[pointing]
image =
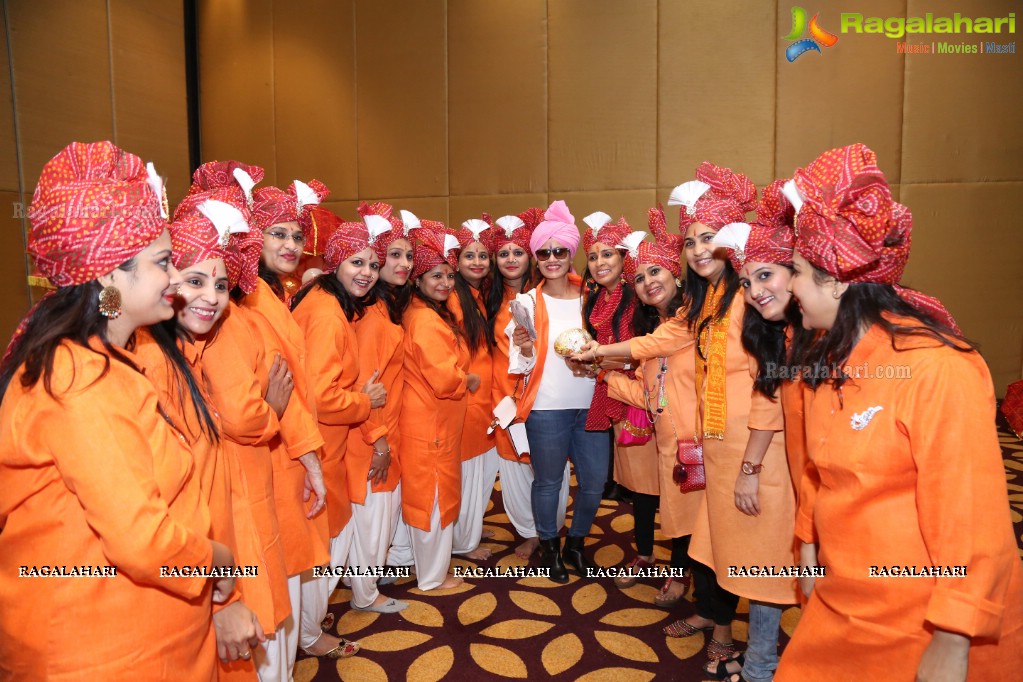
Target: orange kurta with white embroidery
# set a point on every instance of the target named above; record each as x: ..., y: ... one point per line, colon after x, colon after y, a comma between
x: 305, y: 540
x: 433, y: 408
x: 237, y: 374
x: 381, y: 349
x: 480, y: 409
x: 98, y: 479
x: 678, y: 510
x: 332, y: 363
x: 910, y: 474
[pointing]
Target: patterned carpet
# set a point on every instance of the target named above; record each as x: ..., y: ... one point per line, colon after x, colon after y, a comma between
x: 531, y: 628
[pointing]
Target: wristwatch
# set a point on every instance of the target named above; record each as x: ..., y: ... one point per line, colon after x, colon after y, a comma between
x: 749, y: 468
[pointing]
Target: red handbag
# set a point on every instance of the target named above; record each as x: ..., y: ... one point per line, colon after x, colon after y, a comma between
x: 689, y: 474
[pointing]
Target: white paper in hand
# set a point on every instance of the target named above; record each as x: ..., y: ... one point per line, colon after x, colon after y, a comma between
x: 504, y: 413
x: 523, y: 318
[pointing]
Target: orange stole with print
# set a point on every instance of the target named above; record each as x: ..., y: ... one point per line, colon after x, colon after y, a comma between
x: 710, y: 368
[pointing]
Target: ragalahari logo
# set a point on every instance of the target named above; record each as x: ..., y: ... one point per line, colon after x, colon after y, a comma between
x: 818, y: 36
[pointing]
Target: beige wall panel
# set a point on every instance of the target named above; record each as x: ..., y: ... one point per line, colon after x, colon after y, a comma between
x: 12, y: 267
x: 602, y: 94
x: 150, y: 108
x: 715, y: 103
x: 401, y: 70
x: 975, y: 290
x: 851, y: 92
x: 61, y: 60
x: 236, y: 82
x: 497, y: 96
x: 314, y: 99
x: 8, y: 141
x: 962, y: 120
x: 432, y: 208
x: 497, y: 205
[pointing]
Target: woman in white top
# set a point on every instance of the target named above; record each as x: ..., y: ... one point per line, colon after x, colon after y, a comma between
x: 556, y: 397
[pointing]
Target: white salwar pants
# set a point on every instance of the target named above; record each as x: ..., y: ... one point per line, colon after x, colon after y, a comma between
x: 478, y: 476
x: 275, y: 658
x: 430, y: 550
x: 516, y: 491
x: 374, y: 525
x: 316, y: 591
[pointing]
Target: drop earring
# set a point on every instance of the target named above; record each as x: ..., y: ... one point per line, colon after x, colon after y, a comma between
x: 110, y: 302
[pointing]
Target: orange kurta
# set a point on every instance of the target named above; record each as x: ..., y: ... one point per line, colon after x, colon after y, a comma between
x: 433, y: 408
x: 504, y: 384
x: 305, y: 540
x: 723, y: 535
x: 237, y: 374
x: 678, y: 510
x: 380, y: 349
x: 100, y: 479
x: 480, y: 410
x: 333, y: 369
x: 911, y: 474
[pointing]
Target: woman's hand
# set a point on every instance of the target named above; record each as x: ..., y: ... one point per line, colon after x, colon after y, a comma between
x: 375, y: 390
x: 224, y: 585
x: 807, y: 559
x: 746, y: 498
x: 278, y: 389
x: 588, y: 353
x: 520, y: 337
x: 945, y: 659
x: 238, y: 632
x: 472, y: 382
x: 314, y: 485
x: 380, y: 462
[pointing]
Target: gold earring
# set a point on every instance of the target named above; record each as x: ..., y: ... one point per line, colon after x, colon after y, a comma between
x: 110, y: 302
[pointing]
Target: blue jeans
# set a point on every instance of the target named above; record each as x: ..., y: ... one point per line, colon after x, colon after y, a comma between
x: 762, y: 645
x: 556, y: 436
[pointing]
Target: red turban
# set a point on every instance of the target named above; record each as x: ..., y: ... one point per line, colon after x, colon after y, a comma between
x: 717, y: 197
x: 272, y: 206
x: 434, y: 245
x: 510, y: 229
x: 599, y: 228
x: 850, y: 227
x: 769, y: 238
x: 209, y: 231
x: 236, y: 176
x: 399, y: 229
x: 665, y: 250
x: 94, y: 208
x: 349, y: 238
x: 475, y: 230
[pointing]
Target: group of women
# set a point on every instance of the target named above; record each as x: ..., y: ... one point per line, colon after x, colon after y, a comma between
x: 189, y: 407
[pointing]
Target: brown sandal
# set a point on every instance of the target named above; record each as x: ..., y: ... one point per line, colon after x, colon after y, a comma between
x: 327, y: 624
x: 717, y: 650
x: 625, y: 581
x: 664, y: 601
x: 682, y: 629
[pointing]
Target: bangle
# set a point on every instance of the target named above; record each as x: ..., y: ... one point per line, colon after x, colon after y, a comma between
x: 378, y: 452
x: 601, y: 376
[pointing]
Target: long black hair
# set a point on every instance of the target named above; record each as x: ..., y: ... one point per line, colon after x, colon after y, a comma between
x: 696, y: 293
x: 863, y: 305
x: 353, y: 308
x: 593, y: 291
x: 648, y: 318
x: 765, y: 340
x: 70, y: 313
x: 494, y: 295
x: 271, y: 278
x: 396, y: 298
x: 479, y: 333
x: 168, y: 335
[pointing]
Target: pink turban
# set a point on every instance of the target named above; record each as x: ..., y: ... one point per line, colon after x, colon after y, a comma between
x: 559, y: 225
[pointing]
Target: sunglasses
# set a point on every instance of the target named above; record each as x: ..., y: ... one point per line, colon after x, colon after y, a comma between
x: 559, y: 253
